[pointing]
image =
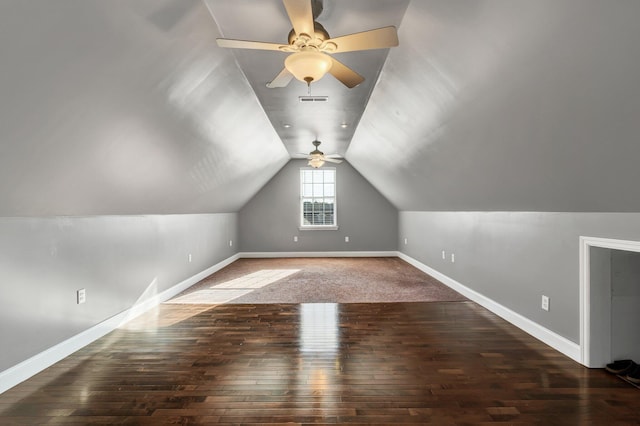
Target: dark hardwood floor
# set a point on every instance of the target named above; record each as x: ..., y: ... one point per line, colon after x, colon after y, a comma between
x: 391, y: 363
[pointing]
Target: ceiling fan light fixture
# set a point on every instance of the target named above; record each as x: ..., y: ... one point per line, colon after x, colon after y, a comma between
x: 316, y: 162
x: 308, y: 65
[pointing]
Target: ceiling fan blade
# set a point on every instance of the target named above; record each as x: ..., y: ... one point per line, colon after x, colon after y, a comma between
x: 281, y: 80
x: 333, y: 156
x: 332, y: 160
x: 380, y: 38
x: 246, y: 44
x: 346, y: 75
x: 301, y: 16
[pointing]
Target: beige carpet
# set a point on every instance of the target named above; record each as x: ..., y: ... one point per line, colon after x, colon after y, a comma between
x: 318, y: 280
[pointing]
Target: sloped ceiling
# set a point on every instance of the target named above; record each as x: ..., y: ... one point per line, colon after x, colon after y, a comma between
x: 130, y: 107
x: 124, y: 107
x: 508, y: 105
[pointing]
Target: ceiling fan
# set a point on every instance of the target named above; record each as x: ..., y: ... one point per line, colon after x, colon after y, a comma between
x: 317, y: 158
x: 311, y: 47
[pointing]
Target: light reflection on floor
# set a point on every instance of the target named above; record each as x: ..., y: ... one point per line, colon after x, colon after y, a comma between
x: 319, y: 327
x: 230, y: 290
x: 319, y: 367
x: 207, y: 298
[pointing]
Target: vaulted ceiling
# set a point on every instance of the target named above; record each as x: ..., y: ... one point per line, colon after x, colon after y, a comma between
x: 130, y: 107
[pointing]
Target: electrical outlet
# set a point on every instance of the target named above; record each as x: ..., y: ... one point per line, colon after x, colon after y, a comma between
x: 444, y: 255
x: 295, y: 238
x: 545, y: 303
x: 190, y: 258
x: 81, y: 296
x: 406, y: 241
x: 230, y: 243
x: 453, y: 258
x: 346, y: 239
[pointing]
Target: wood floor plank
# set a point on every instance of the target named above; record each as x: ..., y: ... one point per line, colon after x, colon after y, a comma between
x: 368, y: 363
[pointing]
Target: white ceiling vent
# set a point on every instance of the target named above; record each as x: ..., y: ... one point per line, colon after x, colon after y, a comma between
x: 313, y: 98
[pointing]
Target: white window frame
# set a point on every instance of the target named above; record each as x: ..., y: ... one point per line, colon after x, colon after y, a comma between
x: 304, y: 227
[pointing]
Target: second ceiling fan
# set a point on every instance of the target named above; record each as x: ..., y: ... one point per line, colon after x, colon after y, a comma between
x: 311, y: 47
x: 317, y: 158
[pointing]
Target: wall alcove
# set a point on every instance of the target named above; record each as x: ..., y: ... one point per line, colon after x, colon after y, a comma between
x: 609, y: 300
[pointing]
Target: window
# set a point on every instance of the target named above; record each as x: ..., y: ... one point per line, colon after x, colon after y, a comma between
x: 318, y: 198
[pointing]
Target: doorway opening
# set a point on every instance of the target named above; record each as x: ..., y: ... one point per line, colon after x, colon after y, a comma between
x: 609, y: 300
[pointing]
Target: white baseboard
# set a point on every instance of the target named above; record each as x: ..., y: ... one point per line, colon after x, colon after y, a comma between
x: 28, y: 368
x: 273, y: 254
x: 559, y: 343
x: 20, y: 372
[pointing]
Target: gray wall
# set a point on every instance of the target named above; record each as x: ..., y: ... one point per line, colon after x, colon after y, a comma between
x: 270, y: 220
x: 117, y: 259
x: 514, y: 258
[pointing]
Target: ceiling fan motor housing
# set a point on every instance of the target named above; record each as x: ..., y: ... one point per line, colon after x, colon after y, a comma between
x: 316, y: 143
x: 319, y: 35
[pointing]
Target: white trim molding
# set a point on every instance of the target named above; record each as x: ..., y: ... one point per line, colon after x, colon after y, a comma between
x: 30, y: 367
x: 275, y: 254
x: 559, y: 343
x: 588, y: 312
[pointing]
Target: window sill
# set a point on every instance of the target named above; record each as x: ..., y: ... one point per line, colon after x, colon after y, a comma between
x: 318, y: 228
